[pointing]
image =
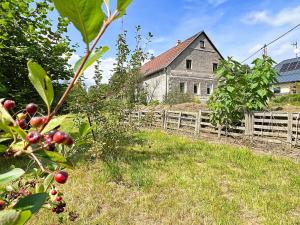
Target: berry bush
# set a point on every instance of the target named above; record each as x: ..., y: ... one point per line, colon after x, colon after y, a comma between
x: 26, y: 132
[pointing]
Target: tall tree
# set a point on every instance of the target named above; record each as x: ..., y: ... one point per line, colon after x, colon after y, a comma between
x: 27, y: 33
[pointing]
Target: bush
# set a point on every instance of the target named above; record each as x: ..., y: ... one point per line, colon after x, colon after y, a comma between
x: 177, y: 97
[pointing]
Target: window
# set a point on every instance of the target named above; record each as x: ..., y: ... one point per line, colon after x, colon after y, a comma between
x: 202, y: 44
x: 196, y: 89
x: 276, y: 90
x: 215, y: 67
x: 209, y: 89
x: 182, y: 87
x: 189, y: 64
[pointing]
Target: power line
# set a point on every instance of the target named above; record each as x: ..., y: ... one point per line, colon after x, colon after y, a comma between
x: 272, y: 42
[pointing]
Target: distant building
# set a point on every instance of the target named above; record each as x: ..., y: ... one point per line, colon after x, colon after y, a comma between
x: 289, y: 76
x: 188, y: 67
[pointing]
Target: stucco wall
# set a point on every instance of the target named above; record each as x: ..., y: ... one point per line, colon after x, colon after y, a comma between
x: 156, y: 85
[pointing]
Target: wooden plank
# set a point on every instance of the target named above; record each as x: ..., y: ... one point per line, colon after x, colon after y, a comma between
x: 269, y: 134
x: 265, y: 127
x: 290, y: 128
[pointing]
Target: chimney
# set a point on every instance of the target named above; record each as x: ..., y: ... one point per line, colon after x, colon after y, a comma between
x: 178, y: 42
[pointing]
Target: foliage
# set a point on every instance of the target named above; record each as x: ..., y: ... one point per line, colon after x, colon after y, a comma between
x: 39, y: 137
x: 292, y: 99
x: 176, y: 97
x: 126, y: 80
x: 27, y: 33
x: 241, y: 89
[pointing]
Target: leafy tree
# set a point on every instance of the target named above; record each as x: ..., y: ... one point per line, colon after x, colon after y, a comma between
x: 241, y: 89
x: 126, y: 80
x: 27, y: 33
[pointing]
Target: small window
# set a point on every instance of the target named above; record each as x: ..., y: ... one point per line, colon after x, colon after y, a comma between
x: 276, y: 90
x: 196, y: 89
x: 182, y: 87
x: 215, y: 67
x: 189, y: 64
x: 209, y: 89
x: 202, y: 44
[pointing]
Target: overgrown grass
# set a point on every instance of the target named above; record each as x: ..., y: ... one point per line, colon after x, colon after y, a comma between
x: 168, y: 179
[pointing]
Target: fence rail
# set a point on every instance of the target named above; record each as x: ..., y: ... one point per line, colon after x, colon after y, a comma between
x: 276, y: 127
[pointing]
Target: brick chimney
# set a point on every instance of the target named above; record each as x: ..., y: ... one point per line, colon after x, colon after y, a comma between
x: 178, y: 42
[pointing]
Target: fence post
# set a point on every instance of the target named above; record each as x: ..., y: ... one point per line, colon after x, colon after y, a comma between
x: 290, y: 128
x: 219, y: 131
x: 199, y: 121
x: 247, y: 124
x: 165, y: 120
x: 179, y: 120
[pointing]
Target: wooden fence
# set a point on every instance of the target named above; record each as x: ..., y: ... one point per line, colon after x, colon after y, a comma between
x: 276, y: 127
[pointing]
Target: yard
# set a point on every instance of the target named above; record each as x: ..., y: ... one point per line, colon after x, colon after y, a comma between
x: 167, y: 179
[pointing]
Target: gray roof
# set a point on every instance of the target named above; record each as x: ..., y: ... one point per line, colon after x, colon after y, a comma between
x: 289, y: 70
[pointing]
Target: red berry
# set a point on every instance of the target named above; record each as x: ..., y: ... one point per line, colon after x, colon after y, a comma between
x: 33, y: 137
x: 51, y: 133
x: 53, y: 192
x: 61, y: 177
x: 31, y: 108
x: 58, y: 198
x: 21, y: 123
x: 9, y: 104
x: 36, y: 122
x: 69, y: 140
x: 59, y: 137
x: 2, y: 204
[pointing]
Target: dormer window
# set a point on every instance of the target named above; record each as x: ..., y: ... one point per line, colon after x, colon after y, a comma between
x: 202, y: 44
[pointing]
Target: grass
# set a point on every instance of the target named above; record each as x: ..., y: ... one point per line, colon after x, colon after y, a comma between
x: 167, y: 179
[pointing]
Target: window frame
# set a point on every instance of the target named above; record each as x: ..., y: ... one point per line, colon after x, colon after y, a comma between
x: 210, y: 87
x: 188, y: 62
x: 215, y: 68
x: 202, y: 44
x: 198, y: 88
x: 184, y: 87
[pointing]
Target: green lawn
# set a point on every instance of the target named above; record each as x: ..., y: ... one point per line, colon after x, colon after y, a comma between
x: 165, y: 179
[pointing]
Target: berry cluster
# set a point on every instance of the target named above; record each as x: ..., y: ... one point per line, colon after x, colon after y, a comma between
x: 58, y: 203
x: 27, y: 119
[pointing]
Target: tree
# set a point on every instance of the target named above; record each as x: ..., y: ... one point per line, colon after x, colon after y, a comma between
x: 126, y: 80
x: 27, y: 33
x: 241, y: 89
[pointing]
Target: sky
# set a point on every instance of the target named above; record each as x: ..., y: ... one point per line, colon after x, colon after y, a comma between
x: 237, y: 27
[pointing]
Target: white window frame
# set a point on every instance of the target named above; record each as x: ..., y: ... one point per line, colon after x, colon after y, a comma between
x: 211, y: 88
x: 198, y: 89
x: 203, y: 44
x: 186, y: 64
x: 184, y: 87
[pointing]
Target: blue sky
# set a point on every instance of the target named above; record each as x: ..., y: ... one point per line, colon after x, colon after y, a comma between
x: 237, y: 27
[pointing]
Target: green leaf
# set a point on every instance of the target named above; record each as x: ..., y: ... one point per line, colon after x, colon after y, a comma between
x: 20, y: 132
x: 55, y: 157
x: 262, y: 93
x: 48, y: 181
x: 122, y: 7
x: 54, y: 123
x: 9, y: 217
x: 11, y: 175
x: 92, y: 59
x: 5, y: 119
x: 39, y: 188
x: 84, y: 129
x: 3, y: 139
x: 86, y: 15
x: 24, y: 217
x: 41, y: 82
x: 33, y: 202
x: 3, y: 148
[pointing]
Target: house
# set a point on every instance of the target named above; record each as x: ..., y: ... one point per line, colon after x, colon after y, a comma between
x: 188, y: 67
x: 289, y: 76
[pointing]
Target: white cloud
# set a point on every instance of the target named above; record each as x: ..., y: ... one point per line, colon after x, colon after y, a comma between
x: 106, y: 66
x: 216, y: 2
x: 255, y: 48
x: 287, y: 16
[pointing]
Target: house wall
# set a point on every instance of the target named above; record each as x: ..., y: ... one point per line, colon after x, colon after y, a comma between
x: 155, y: 86
x: 201, y: 71
x: 285, y: 88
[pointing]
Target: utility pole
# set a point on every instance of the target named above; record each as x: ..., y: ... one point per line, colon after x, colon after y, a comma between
x: 265, y: 50
x: 296, y: 50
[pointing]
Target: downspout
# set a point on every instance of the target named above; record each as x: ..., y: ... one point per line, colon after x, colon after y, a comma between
x: 167, y: 70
